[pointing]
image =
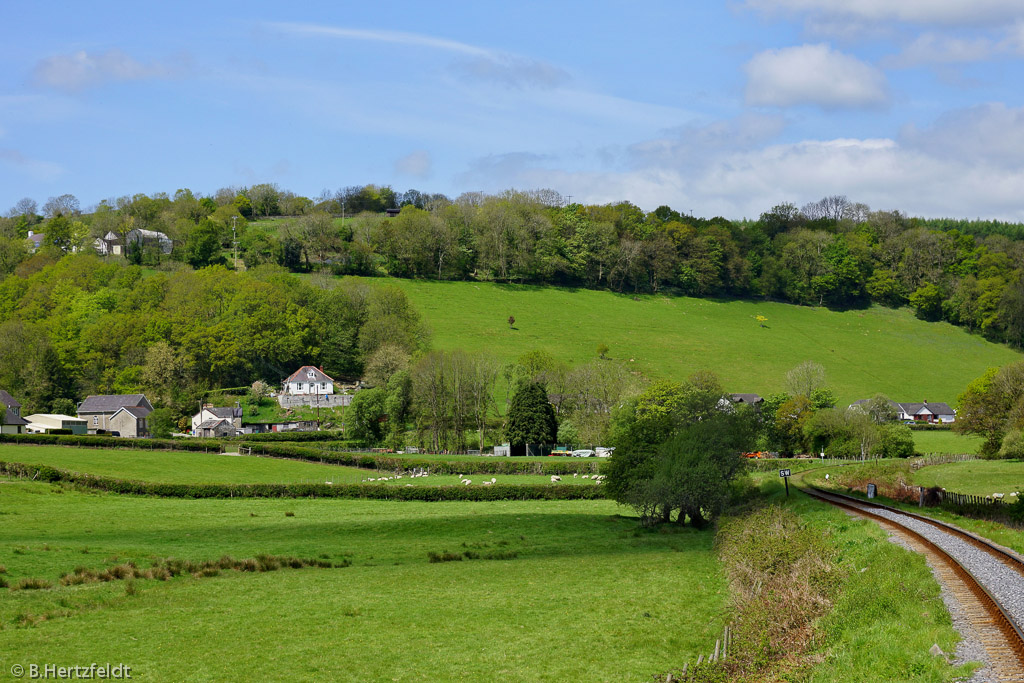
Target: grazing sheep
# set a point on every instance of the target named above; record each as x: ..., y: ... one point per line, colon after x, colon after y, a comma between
x: 493, y: 480
x: 487, y: 483
x: 408, y: 484
x: 467, y: 482
x: 371, y: 479
x: 555, y: 477
x: 586, y: 476
x: 997, y: 496
x: 329, y: 483
x: 575, y: 474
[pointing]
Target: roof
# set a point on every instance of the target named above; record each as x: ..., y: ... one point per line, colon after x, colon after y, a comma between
x: 934, y: 408
x: 228, y: 412
x: 150, y: 234
x: 212, y: 424
x: 111, y: 403
x: 53, y: 416
x: 8, y: 400
x: 746, y: 398
x: 12, y: 419
x: 301, y: 375
x: 37, y: 237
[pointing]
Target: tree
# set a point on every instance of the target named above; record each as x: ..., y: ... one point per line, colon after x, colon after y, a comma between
x: 805, y: 378
x: 64, y: 205
x: 531, y: 417
x: 63, y: 406
x: 161, y: 423
x: 988, y: 405
x: 365, y: 416
x: 202, y: 247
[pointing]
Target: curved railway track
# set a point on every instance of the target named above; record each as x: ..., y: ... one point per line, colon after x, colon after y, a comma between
x: 987, y: 580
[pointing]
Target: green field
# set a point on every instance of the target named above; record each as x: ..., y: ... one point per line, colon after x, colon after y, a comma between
x: 864, y: 351
x: 946, y: 442
x: 976, y: 477
x: 175, y: 467
x: 584, y: 595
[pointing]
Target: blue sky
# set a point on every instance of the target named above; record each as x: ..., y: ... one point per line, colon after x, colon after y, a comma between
x: 716, y: 108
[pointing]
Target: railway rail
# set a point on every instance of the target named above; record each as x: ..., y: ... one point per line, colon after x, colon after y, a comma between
x: 987, y: 580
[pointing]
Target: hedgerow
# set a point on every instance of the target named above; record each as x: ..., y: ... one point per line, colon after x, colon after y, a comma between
x: 366, y: 491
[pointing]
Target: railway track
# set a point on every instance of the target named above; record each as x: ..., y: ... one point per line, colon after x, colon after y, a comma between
x: 987, y: 580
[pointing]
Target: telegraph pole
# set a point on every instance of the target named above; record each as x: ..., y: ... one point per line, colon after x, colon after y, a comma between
x: 234, y: 239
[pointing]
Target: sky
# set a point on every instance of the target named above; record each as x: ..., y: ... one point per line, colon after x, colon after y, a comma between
x: 712, y: 108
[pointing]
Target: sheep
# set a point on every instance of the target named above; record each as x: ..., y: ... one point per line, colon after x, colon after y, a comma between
x: 575, y: 474
x: 997, y: 496
x: 493, y: 480
x: 329, y: 483
x: 466, y: 482
x: 487, y: 483
x: 372, y: 479
x: 555, y: 477
x: 586, y: 476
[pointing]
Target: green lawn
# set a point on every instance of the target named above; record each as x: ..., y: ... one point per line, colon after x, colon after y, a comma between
x: 977, y: 477
x: 586, y: 597
x: 946, y: 442
x: 864, y: 351
x: 175, y: 467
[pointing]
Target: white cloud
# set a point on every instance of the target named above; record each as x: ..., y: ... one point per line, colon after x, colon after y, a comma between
x: 81, y: 70
x: 417, y: 164
x: 946, y: 12
x: 992, y: 133
x: 691, y: 144
x: 966, y: 165
x: 933, y: 48
x: 813, y: 74
x: 39, y: 170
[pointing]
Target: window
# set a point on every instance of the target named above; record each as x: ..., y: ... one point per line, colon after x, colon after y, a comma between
x: 299, y: 388
x: 95, y: 420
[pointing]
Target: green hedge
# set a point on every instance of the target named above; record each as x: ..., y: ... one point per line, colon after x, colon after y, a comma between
x: 100, y: 441
x: 928, y: 427
x: 369, y: 491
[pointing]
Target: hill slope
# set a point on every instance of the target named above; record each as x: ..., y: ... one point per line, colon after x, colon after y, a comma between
x: 863, y: 352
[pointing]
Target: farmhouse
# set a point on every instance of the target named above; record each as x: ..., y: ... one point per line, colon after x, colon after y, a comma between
x: 13, y: 422
x: 231, y: 414
x: 308, y: 381
x: 931, y: 413
x: 35, y: 241
x: 122, y: 413
x: 44, y: 423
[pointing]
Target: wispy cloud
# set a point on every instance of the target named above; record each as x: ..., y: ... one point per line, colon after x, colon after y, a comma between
x: 813, y: 74
x: 39, y: 170
x: 398, y: 37
x: 477, y: 63
x: 82, y: 70
x: 416, y: 164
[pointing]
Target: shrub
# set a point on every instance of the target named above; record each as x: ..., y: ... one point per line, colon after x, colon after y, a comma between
x: 443, y: 557
x: 29, y: 584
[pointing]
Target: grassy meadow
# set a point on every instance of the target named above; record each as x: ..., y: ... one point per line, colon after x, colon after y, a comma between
x: 582, y: 593
x: 863, y: 351
x: 976, y: 477
x: 940, y: 441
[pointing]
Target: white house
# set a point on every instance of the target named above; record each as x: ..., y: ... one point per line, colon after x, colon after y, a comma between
x: 309, y: 381
x: 934, y: 413
x: 111, y: 242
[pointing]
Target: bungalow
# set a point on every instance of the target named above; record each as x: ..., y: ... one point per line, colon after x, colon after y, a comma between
x: 932, y: 413
x: 729, y: 401
x: 232, y: 414
x: 13, y: 422
x: 307, y: 381
x: 122, y: 413
x: 44, y: 423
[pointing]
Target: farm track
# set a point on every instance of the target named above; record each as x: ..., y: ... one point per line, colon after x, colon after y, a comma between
x: 988, y: 581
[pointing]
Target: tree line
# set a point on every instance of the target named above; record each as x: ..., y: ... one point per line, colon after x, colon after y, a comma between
x: 832, y: 252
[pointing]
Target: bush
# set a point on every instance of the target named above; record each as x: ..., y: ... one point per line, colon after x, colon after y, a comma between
x: 896, y: 441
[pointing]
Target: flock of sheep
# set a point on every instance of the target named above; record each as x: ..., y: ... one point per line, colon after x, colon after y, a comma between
x: 465, y: 481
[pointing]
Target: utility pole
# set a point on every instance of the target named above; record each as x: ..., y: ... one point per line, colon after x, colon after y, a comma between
x: 234, y: 239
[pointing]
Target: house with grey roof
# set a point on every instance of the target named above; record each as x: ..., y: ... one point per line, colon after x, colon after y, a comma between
x: 122, y: 413
x: 13, y: 422
x: 213, y: 414
x: 930, y: 413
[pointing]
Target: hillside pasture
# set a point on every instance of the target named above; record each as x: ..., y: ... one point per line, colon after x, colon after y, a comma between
x: 975, y: 477
x: 864, y: 352
x: 942, y: 441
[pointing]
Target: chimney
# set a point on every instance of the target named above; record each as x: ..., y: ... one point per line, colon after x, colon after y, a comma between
x: 30, y: 233
x: 321, y: 368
